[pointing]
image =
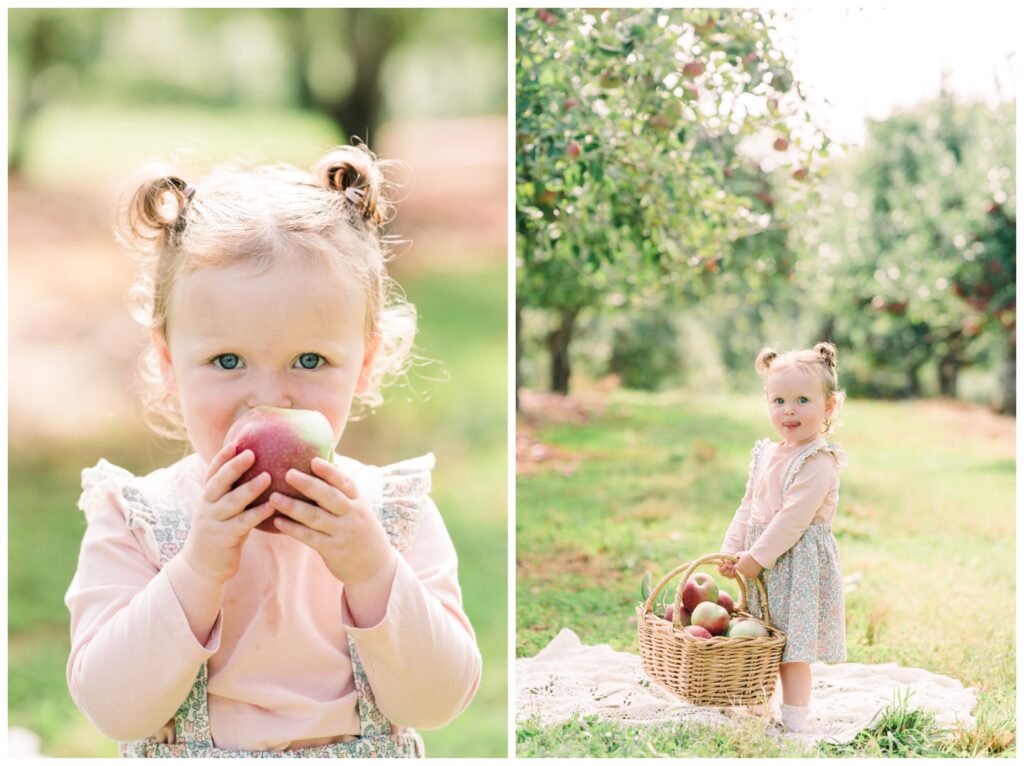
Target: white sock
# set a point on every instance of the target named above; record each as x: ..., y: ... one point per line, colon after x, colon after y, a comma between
x: 794, y: 717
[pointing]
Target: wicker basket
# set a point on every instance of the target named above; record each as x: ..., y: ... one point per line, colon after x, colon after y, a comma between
x: 716, y: 672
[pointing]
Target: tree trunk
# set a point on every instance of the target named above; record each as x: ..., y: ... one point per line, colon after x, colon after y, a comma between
x: 371, y: 34
x: 949, y: 366
x: 558, y: 349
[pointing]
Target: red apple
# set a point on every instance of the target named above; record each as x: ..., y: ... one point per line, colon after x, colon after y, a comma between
x: 684, y: 617
x: 697, y: 632
x: 693, y: 69
x: 281, y: 439
x: 670, y: 611
x: 710, y: 616
x: 700, y: 587
x: 781, y: 144
x: 725, y: 601
x: 573, y: 149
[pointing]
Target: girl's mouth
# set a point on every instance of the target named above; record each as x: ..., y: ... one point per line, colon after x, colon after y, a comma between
x: 791, y: 426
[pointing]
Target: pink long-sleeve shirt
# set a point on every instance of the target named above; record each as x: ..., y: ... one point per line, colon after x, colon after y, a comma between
x: 812, y: 499
x: 278, y: 664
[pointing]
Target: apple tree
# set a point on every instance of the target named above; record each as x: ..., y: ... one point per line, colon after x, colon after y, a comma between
x: 637, y: 132
x: 919, y: 236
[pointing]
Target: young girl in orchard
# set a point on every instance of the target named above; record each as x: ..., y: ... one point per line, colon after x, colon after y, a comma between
x: 202, y: 623
x: 783, y: 524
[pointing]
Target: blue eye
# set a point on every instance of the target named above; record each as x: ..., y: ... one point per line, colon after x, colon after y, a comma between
x: 804, y: 400
x: 227, y: 361
x: 310, y: 361
x: 777, y: 400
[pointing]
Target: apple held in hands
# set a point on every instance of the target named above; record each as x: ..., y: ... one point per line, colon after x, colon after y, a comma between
x: 281, y: 439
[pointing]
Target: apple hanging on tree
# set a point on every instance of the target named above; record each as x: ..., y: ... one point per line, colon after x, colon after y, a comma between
x: 281, y: 439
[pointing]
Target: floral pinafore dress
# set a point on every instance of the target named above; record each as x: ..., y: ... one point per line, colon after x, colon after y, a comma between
x: 805, y: 587
x: 160, y: 514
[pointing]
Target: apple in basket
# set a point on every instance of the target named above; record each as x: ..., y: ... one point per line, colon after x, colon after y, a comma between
x: 684, y: 616
x: 697, y: 631
x: 751, y: 628
x: 725, y: 601
x: 710, y: 616
x: 700, y: 587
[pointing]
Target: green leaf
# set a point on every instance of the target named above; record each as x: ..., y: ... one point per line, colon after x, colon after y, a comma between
x: 645, y: 586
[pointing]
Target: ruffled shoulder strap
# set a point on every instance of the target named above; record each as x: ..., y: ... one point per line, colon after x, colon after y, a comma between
x: 400, y: 492
x: 759, y: 459
x: 151, y: 506
x: 835, y: 450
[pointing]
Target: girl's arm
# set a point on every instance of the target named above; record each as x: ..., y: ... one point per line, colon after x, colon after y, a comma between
x: 134, y: 656
x: 800, y: 505
x: 421, y: 657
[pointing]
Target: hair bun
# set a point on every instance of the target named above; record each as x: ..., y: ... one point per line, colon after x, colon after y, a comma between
x: 827, y: 352
x: 354, y: 172
x: 764, y: 359
x: 158, y: 204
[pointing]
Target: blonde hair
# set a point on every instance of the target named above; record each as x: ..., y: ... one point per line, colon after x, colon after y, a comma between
x: 259, y: 216
x: 820, y: 360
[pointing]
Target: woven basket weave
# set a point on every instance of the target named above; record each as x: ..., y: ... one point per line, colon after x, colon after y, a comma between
x: 717, y: 672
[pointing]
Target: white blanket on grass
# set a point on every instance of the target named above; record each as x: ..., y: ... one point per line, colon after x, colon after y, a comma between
x: 567, y: 677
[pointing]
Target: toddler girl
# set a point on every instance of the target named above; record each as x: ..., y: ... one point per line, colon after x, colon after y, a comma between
x: 203, y: 624
x: 783, y: 523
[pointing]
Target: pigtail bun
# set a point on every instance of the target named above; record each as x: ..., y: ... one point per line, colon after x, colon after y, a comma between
x: 157, y: 206
x: 764, y: 359
x: 827, y: 352
x: 355, y: 172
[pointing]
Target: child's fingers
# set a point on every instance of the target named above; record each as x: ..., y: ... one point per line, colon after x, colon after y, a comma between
x: 221, y: 481
x: 226, y: 453
x: 249, y: 519
x: 241, y: 497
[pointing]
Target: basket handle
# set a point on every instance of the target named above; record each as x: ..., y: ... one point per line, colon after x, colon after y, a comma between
x: 689, y: 568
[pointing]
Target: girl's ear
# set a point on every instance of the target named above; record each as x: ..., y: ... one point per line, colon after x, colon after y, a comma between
x: 366, y: 370
x: 163, y: 357
x: 830, y: 406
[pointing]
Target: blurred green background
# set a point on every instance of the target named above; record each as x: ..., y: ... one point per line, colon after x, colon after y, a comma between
x: 95, y: 93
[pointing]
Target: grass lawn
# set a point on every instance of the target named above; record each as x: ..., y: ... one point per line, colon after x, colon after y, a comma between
x: 926, y: 521
x: 463, y: 421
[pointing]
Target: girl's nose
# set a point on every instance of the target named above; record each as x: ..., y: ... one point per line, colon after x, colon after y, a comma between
x: 269, y: 392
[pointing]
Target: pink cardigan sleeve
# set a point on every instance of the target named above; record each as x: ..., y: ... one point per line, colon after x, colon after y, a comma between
x: 736, y: 534
x: 133, y: 657
x: 422, y: 659
x: 800, y: 505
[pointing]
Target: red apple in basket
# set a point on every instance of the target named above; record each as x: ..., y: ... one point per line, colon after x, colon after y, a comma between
x: 710, y: 616
x: 700, y: 587
x: 684, y: 616
x: 697, y: 632
x: 725, y: 601
x: 281, y: 439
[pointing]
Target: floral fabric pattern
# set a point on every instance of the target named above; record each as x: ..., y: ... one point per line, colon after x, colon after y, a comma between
x: 162, y: 520
x: 805, y: 587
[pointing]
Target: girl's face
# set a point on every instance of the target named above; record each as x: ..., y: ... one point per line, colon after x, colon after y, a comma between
x: 293, y: 336
x: 797, y: 404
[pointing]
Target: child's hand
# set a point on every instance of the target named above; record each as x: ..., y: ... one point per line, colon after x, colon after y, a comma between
x: 221, y: 523
x: 337, y: 523
x: 747, y: 565
x: 727, y: 569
